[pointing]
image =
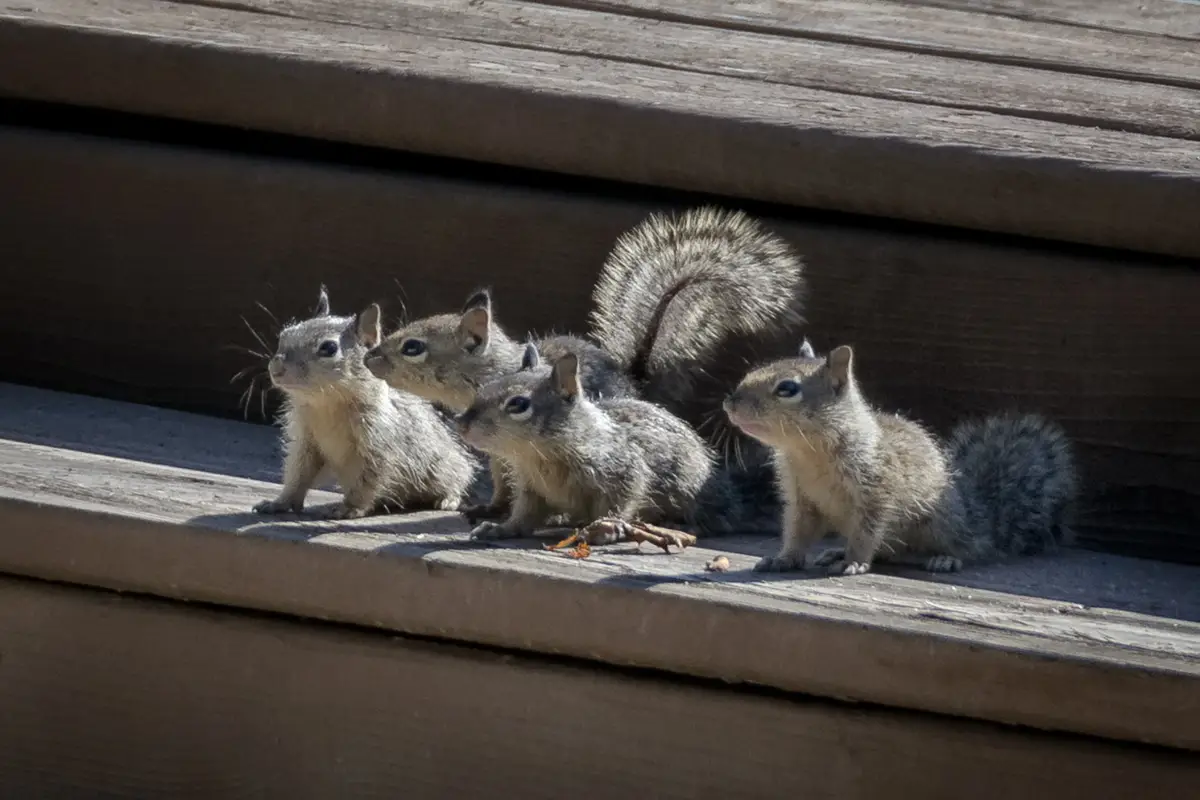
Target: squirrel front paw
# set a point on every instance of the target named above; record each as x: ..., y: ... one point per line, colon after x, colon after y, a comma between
x: 492, y: 530
x: 277, y: 506
x: 844, y: 567
x: 784, y: 562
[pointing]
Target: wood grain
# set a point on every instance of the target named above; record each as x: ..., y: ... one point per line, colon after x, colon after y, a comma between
x: 590, y: 116
x: 1083, y: 100
x: 1175, y: 18
x: 1054, y: 643
x: 109, y: 696
x: 945, y: 328
x: 922, y: 28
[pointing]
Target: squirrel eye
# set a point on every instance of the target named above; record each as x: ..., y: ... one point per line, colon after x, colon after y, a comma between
x: 787, y: 389
x: 412, y: 348
x: 519, y: 407
x: 328, y: 349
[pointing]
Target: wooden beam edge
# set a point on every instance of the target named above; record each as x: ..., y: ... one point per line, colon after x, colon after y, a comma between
x: 1023, y: 190
x: 678, y: 628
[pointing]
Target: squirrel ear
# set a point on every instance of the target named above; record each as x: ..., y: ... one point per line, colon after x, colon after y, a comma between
x: 480, y: 299
x: 368, y: 328
x: 806, y: 349
x: 531, y: 358
x: 476, y: 328
x: 566, y: 376
x: 322, y: 302
x: 839, y: 362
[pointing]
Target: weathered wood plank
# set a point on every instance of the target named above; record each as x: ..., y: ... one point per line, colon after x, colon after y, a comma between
x: 95, y: 706
x: 1176, y: 18
x: 596, y: 117
x: 921, y: 28
x: 1056, y: 653
x: 945, y: 328
x: 829, y: 66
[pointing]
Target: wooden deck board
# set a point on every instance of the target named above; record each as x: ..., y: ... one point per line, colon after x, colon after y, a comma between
x: 273, y: 707
x: 932, y: 80
x: 598, y: 117
x: 945, y: 328
x: 909, y: 27
x: 1174, y: 18
x: 982, y: 644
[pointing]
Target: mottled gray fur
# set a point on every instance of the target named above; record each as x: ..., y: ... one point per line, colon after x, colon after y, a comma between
x: 387, y: 449
x: 1003, y: 486
x: 585, y: 459
x: 446, y: 358
x: 675, y: 300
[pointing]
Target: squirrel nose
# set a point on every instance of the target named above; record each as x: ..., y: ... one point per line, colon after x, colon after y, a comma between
x: 275, y: 365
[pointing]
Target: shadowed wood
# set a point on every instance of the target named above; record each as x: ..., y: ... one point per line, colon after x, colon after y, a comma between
x: 1061, y: 643
x: 593, y: 116
x: 944, y: 328
x: 109, y: 696
x: 925, y: 28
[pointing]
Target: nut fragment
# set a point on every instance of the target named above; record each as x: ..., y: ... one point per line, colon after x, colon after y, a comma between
x: 718, y: 564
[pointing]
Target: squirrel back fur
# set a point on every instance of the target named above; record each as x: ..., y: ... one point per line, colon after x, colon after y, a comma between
x: 387, y: 449
x: 446, y: 358
x: 1001, y: 486
x: 587, y: 458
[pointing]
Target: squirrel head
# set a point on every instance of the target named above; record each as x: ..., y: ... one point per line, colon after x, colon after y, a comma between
x: 530, y: 410
x: 446, y: 357
x: 322, y: 357
x: 784, y: 400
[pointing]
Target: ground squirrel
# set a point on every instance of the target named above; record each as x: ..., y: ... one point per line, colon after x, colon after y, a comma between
x: 675, y: 299
x: 1001, y: 486
x: 585, y: 459
x: 386, y: 448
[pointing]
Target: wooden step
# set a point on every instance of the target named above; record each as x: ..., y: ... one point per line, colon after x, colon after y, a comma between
x: 141, y: 267
x: 1050, y: 128
x: 107, y: 695
x: 126, y: 497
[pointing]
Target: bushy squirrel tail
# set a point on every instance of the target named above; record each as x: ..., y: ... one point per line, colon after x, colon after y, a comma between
x: 677, y: 289
x: 1017, y: 480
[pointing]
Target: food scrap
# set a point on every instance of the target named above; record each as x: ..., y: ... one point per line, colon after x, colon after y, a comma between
x: 609, y: 529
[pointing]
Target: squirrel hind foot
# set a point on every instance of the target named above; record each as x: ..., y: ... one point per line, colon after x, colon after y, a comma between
x: 784, y: 562
x: 478, y: 512
x: 489, y: 530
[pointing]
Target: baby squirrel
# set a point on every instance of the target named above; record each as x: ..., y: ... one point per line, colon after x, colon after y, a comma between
x: 445, y: 358
x: 1001, y: 486
x: 386, y: 448
x: 675, y: 297
x: 585, y: 459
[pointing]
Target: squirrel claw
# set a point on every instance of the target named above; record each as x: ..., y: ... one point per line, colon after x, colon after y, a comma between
x: 275, y: 507
x: 784, y: 562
